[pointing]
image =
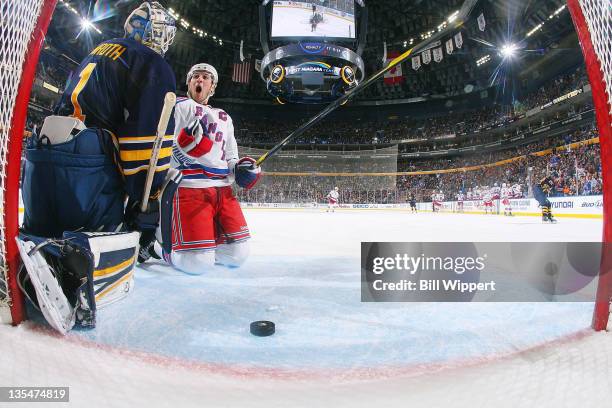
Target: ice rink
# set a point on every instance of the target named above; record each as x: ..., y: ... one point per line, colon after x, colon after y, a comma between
x: 183, y: 341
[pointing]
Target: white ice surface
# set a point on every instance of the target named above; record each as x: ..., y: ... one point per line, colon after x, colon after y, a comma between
x: 183, y: 341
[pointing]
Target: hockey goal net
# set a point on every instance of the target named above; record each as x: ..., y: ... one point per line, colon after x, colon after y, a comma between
x: 593, y: 22
x: 24, y: 24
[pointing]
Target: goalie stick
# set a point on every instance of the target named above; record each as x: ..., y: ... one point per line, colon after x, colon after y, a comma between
x: 164, y: 118
x: 464, y: 13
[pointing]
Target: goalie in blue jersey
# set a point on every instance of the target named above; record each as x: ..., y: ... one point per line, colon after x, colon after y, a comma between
x: 85, y: 173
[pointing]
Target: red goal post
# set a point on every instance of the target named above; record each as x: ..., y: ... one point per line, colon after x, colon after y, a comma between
x: 24, y: 25
x: 593, y: 22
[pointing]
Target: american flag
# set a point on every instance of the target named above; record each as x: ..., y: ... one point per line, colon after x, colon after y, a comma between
x: 242, y: 71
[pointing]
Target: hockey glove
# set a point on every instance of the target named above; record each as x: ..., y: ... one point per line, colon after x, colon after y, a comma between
x: 247, y: 173
x: 137, y: 220
x: 146, y: 223
x: 193, y: 140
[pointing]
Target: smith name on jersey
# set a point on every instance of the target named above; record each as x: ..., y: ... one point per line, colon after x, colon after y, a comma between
x: 120, y: 86
x: 213, y: 169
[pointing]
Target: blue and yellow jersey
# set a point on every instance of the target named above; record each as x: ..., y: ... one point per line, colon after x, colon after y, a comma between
x: 547, y: 184
x: 120, y: 86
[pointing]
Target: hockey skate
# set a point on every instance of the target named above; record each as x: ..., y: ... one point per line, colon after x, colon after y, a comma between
x: 149, y: 251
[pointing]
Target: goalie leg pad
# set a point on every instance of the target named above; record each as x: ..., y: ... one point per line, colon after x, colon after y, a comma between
x: 73, y: 276
x: 60, y: 274
x: 114, y: 257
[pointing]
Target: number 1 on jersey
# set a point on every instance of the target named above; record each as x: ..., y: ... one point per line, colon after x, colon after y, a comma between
x: 84, y: 77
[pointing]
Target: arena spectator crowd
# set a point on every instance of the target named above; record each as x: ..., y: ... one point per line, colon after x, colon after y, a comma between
x: 356, y: 131
x: 576, y: 171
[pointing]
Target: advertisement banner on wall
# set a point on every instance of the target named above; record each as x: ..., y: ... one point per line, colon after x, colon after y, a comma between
x: 584, y: 206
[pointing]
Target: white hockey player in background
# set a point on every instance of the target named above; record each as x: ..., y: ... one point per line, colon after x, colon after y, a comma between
x: 469, y: 195
x: 517, y: 191
x: 496, y: 191
x: 436, y: 201
x: 207, y: 224
x: 506, y: 195
x: 332, y: 199
x: 487, y: 201
x: 460, y: 199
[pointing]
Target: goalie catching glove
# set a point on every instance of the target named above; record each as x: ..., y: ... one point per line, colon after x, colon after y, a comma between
x: 193, y: 139
x: 247, y: 172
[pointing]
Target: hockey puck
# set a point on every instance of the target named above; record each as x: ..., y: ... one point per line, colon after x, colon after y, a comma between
x: 262, y: 328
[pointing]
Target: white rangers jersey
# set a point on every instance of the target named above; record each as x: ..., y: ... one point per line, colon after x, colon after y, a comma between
x: 506, y: 192
x: 215, y: 168
x: 333, y: 195
x: 460, y: 197
x: 517, y: 191
x: 495, y: 191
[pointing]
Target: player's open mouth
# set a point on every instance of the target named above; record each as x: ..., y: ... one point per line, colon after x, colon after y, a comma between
x: 198, y: 88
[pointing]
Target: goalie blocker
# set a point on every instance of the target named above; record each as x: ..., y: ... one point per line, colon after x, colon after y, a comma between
x: 68, y: 279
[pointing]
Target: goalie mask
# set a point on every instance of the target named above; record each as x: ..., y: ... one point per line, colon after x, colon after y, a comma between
x: 203, y: 68
x: 151, y: 25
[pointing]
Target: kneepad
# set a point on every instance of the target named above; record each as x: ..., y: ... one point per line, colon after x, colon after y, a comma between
x: 233, y: 255
x: 194, y: 262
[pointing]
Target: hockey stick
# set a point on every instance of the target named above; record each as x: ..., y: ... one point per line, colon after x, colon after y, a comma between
x: 164, y: 118
x: 466, y: 9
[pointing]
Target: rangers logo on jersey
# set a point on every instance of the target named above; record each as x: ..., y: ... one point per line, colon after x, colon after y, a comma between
x: 213, y: 169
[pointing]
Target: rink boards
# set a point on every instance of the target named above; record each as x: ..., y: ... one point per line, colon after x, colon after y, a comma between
x: 575, y: 207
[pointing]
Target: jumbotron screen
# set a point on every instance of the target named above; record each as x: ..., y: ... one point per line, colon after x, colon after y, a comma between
x: 315, y: 18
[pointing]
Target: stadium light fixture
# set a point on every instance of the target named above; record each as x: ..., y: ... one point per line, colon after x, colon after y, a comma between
x: 86, y: 24
x: 508, y: 50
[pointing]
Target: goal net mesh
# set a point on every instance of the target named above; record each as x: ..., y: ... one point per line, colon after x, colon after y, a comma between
x: 598, y: 17
x: 593, y: 22
x: 19, y: 19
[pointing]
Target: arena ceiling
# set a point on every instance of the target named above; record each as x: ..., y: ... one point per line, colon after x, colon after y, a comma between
x: 390, y: 21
